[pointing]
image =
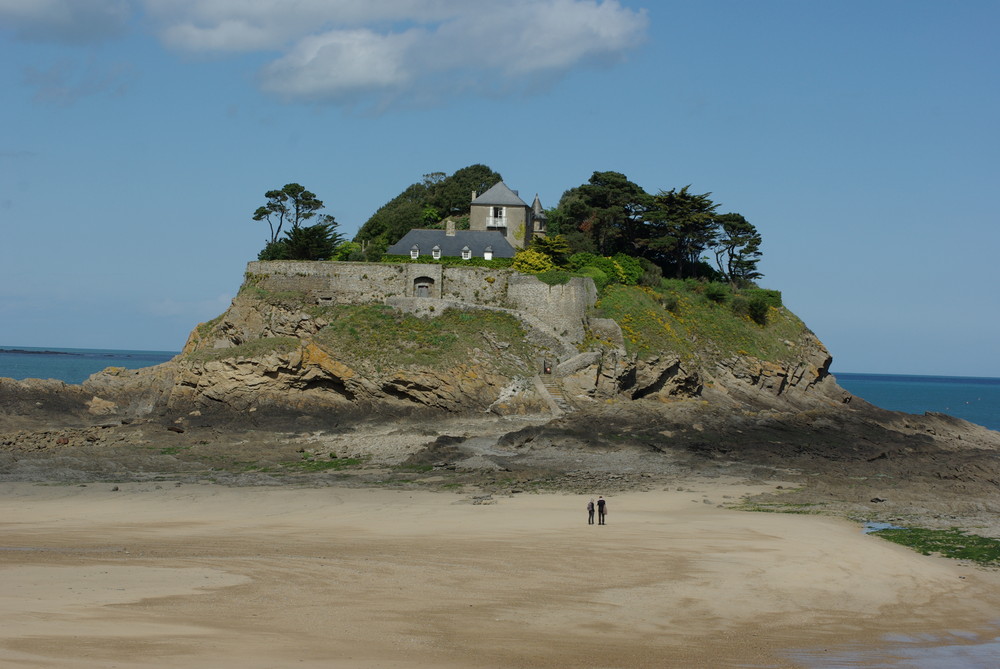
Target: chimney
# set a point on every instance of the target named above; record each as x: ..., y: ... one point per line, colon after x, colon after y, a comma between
x: 474, y: 196
x: 449, y: 228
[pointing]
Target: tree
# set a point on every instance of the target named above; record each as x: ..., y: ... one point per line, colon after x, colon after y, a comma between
x: 737, y: 249
x: 681, y: 227
x: 605, y: 215
x: 435, y: 198
x: 292, y: 205
x: 305, y: 242
x: 617, y: 212
x: 452, y: 196
x: 555, y: 248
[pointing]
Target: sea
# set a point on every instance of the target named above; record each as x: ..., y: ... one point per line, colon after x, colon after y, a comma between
x: 72, y: 365
x: 975, y: 399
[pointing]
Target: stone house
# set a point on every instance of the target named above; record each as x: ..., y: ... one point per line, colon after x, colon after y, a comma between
x: 502, y: 210
x: 452, y: 243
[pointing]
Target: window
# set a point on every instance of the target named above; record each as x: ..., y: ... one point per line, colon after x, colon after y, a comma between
x: 414, y: 252
x: 488, y: 253
x: 436, y: 253
x: 466, y: 253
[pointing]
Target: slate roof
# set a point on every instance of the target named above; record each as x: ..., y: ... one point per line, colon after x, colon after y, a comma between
x: 500, y: 195
x: 476, y: 240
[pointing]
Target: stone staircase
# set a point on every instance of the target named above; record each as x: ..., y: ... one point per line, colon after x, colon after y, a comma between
x: 550, y: 388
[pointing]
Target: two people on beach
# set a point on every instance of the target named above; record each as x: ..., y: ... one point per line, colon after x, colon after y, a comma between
x: 602, y: 511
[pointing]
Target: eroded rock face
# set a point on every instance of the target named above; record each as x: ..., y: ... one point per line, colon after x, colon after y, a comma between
x: 217, y: 373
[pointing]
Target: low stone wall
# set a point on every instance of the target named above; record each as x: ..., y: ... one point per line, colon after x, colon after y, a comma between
x: 563, y: 308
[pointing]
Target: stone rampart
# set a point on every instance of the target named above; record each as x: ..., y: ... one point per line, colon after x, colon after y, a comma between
x: 563, y: 308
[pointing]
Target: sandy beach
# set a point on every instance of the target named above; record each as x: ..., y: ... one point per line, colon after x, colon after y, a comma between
x: 168, y: 575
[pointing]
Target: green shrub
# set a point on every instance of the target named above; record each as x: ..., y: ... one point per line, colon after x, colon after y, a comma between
x: 554, y: 277
x: 496, y: 263
x: 771, y: 298
x: 530, y: 261
x: 754, y: 306
x: 595, y: 273
x: 652, y: 273
x: 629, y: 269
x: 717, y: 292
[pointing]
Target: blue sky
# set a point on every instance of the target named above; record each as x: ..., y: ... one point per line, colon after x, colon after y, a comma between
x: 860, y: 138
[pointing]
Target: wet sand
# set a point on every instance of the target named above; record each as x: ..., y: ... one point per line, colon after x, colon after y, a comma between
x: 159, y: 575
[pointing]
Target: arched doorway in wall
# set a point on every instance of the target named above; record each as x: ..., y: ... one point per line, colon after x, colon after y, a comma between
x: 423, y: 286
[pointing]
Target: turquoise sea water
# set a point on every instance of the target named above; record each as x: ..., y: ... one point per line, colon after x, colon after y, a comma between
x: 976, y: 400
x: 72, y: 365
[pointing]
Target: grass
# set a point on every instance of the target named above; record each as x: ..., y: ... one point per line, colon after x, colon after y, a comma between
x: 173, y: 450
x: 380, y: 336
x: 250, y: 349
x: 779, y: 507
x: 952, y: 543
x: 677, y: 317
x: 308, y: 464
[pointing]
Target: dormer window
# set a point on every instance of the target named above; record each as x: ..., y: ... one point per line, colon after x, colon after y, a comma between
x: 414, y: 252
x: 466, y: 253
x: 436, y: 253
x: 488, y: 253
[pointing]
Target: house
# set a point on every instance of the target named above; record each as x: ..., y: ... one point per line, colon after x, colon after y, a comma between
x: 453, y: 243
x: 500, y: 209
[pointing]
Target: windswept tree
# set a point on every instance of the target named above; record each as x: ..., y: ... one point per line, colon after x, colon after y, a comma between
x: 737, y: 248
x: 306, y: 242
x: 286, y: 211
x: 681, y: 226
x: 293, y: 205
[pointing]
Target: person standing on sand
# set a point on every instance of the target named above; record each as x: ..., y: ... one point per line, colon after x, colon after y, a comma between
x: 590, y: 512
x: 602, y: 510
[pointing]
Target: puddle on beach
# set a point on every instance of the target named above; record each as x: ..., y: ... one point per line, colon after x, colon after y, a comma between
x: 954, y: 649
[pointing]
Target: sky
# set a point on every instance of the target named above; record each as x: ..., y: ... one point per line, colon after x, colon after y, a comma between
x: 861, y: 138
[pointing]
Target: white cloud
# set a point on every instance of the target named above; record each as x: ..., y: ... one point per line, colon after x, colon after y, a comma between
x: 358, y: 52
x: 354, y: 52
x: 247, y: 25
x: 65, y: 21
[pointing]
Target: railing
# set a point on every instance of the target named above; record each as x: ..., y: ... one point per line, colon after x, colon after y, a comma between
x: 496, y: 222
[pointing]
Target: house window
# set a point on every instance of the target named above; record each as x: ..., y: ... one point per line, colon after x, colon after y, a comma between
x: 414, y: 252
x: 466, y: 253
x: 488, y: 253
x: 497, y: 218
x: 436, y: 253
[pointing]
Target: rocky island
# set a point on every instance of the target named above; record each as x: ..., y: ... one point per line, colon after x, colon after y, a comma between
x: 337, y: 372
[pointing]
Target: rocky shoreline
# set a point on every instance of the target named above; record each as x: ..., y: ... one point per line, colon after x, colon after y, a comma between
x: 855, y: 460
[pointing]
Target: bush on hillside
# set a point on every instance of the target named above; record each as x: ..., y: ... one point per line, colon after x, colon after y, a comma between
x: 599, y: 277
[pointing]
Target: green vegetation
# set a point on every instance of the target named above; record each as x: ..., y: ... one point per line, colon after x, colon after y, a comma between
x: 675, y: 230
x: 685, y: 317
x: 451, y: 261
x: 381, y: 336
x: 250, y: 349
x: 294, y: 205
x: 426, y: 204
x: 309, y: 463
x: 951, y: 543
x: 780, y: 507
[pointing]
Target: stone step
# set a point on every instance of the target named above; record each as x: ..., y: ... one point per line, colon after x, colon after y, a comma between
x: 554, y: 390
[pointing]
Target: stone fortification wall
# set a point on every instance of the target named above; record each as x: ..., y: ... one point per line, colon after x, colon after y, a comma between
x: 564, y: 308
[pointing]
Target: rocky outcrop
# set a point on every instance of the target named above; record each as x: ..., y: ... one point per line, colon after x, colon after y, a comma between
x: 268, y: 355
